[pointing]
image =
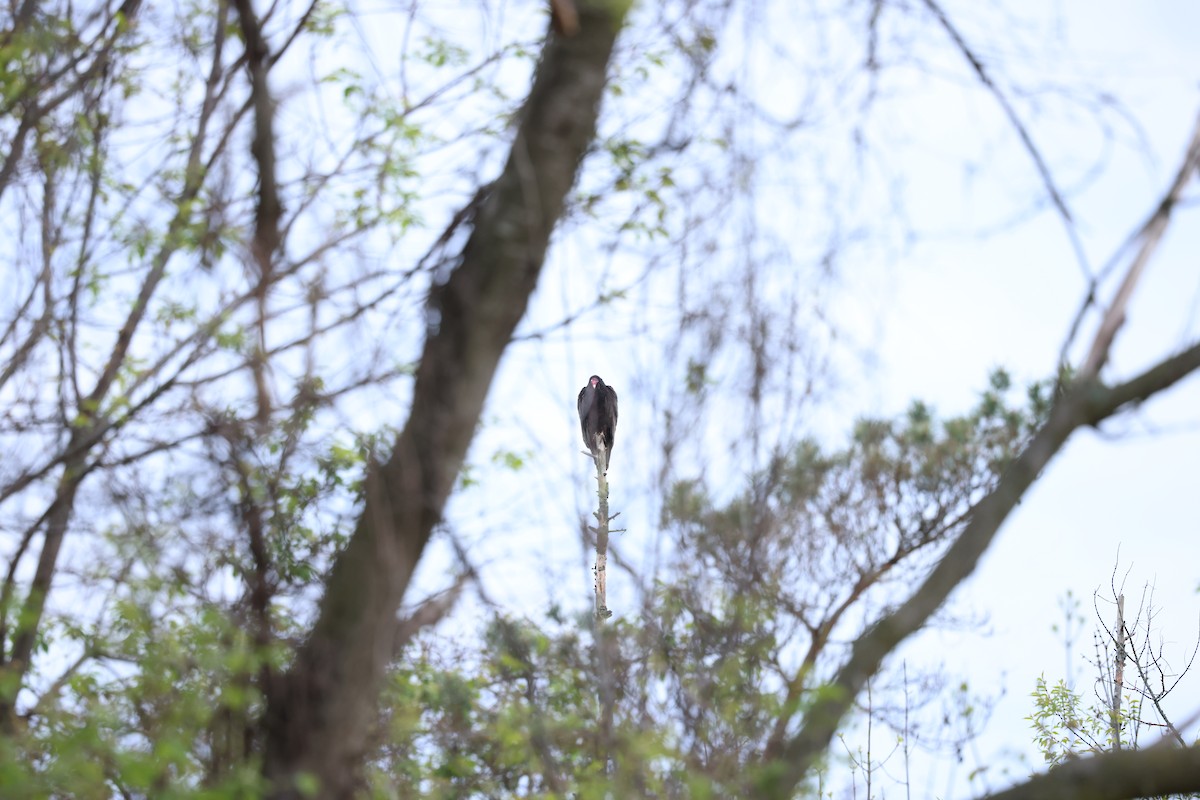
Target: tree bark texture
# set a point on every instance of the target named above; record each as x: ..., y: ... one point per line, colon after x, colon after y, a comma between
x: 1152, y: 772
x: 319, y: 712
x: 600, y: 570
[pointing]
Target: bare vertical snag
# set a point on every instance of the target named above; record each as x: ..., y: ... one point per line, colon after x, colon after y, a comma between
x: 600, y: 570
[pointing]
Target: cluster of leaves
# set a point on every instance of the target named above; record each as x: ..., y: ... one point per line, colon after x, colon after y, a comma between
x: 1066, y: 727
x: 818, y: 530
x: 1133, y: 679
x: 521, y: 719
x: 157, y: 708
x: 527, y: 718
x: 164, y: 684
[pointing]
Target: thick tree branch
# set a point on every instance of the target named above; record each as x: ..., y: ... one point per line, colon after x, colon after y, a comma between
x: 269, y: 210
x: 1152, y: 772
x: 1105, y: 402
x: 266, y: 238
x: 1150, y: 234
x: 318, y: 715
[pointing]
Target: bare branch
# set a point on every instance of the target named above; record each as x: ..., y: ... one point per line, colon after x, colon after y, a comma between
x: 429, y: 613
x: 1151, y: 772
x: 1151, y: 234
x: 600, y: 570
x: 1043, y: 168
x: 266, y: 220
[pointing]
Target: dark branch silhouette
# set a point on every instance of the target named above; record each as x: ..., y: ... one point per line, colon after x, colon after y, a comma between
x: 318, y: 714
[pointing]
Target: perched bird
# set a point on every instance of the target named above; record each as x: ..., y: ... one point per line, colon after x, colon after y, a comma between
x: 598, y: 414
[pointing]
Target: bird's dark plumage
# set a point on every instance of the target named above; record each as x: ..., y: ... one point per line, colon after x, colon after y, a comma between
x: 597, y: 406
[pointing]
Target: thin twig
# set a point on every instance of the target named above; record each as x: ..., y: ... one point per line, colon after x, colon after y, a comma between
x: 1150, y: 234
x: 1039, y: 162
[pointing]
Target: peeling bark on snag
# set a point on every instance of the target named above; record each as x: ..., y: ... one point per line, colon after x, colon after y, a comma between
x: 600, y: 570
x: 606, y: 694
x: 319, y: 712
x: 1085, y: 402
x: 1119, y: 678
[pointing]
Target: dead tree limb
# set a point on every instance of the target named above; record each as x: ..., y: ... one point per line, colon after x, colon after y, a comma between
x: 1118, y: 674
x: 601, y: 567
x: 1150, y: 234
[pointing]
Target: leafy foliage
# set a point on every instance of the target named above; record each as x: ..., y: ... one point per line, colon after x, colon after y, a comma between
x: 1063, y: 726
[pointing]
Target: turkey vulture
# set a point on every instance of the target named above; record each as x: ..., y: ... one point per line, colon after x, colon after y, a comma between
x: 598, y: 414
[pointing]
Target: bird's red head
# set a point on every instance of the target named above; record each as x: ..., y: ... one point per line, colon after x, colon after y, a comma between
x: 595, y: 379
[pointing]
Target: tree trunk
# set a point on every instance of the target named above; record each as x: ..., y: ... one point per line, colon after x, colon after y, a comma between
x: 319, y: 713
